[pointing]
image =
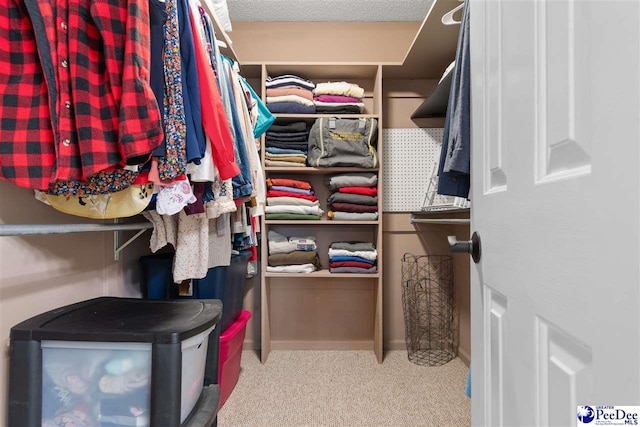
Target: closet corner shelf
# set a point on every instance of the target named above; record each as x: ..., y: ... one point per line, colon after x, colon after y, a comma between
x: 317, y: 222
x: 427, y: 59
x: 319, y: 171
x: 325, y: 273
x: 435, y: 105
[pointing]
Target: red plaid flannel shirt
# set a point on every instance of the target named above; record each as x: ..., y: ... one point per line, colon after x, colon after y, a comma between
x: 74, y: 82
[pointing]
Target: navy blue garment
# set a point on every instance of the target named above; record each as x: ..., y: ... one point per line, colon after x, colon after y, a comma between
x: 208, y: 195
x: 196, y: 143
x: 157, y: 18
x: 291, y: 108
x: 289, y: 145
x: 304, y: 135
x: 457, y: 183
x: 459, y: 147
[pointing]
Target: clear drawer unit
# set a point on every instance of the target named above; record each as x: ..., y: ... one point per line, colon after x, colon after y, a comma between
x: 117, y: 361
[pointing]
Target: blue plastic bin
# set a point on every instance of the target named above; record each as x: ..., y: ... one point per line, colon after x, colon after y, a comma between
x: 223, y: 283
x: 158, y: 277
x: 227, y: 285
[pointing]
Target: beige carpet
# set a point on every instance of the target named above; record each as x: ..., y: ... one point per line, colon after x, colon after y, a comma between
x: 346, y: 388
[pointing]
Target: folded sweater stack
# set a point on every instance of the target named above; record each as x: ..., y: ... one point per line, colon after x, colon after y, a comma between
x: 287, y: 145
x: 292, y: 254
x: 291, y: 199
x: 338, y: 98
x: 290, y: 94
x: 354, y: 197
x: 353, y: 257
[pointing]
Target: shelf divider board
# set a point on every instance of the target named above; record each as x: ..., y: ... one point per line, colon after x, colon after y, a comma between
x: 265, y: 296
x: 378, y: 327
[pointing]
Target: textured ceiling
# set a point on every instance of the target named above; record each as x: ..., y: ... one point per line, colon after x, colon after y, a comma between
x: 328, y: 10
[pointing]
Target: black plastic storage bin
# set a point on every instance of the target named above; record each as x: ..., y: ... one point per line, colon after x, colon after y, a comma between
x: 112, y: 360
x: 223, y: 283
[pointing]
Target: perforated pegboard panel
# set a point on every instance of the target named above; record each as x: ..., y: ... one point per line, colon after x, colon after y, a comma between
x: 409, y: 156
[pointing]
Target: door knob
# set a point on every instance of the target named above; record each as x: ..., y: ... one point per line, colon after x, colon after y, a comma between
x: 471, y: 246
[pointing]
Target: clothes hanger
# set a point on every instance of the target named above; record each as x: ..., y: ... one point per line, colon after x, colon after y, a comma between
x: 447, y: 18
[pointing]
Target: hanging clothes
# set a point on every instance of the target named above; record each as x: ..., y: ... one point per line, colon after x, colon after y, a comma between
x: 157, y: 18
x: 195, y: 142
x: 242, y: 185
x: 455, y: 158
x: 213, y: 117
x: 256, y: 175
x: 173, y: 163
x: 66, y: 135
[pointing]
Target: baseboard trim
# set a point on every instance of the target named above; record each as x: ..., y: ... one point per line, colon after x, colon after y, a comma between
x: 389, y: 345
x: 464, y: 356
x: 395, y: 345
x: 321, y: 345
x: 250, y: 345
x: 339, y: 345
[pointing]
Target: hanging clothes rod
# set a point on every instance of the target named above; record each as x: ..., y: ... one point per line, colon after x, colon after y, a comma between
x: 36, y: 229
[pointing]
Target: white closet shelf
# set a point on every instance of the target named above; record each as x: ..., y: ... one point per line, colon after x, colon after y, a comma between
x: 317, y: 222
x: 43, y: 229
x: 49, y: 229
x: 325, y: 273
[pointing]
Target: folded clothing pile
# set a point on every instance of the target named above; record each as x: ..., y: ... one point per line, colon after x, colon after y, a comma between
x: 290, y: 94
x: 353, y: 257
x: 338, y: 98
x: 288, y: 254
x: 291, y: 199
x: 354, y: 197
x: 287, y: 144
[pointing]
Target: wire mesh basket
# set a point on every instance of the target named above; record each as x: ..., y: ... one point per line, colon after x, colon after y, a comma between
x: 427, y: 302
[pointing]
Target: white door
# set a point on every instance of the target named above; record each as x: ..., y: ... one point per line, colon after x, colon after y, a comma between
x: 555, y: 196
